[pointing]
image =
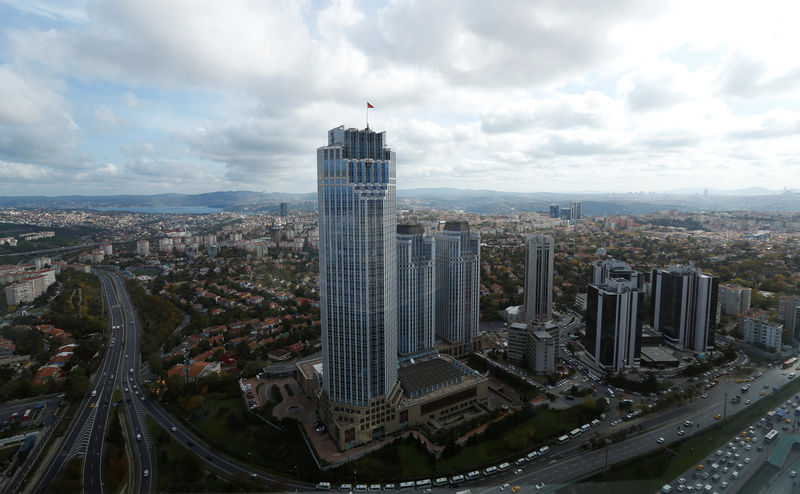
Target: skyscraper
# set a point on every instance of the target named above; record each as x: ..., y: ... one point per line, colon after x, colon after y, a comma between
x: 539, y: 278
x: 575, y: 210
x: 555, y: 210
x: 614, y: 317
x: 284, y: 210
x: 415, y: 289
x: 358, y: 275
x: 458, y: 255
x: 612, y: 268
x: 684, y: 306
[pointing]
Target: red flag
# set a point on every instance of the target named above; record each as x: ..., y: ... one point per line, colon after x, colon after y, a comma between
x: 369, y: 105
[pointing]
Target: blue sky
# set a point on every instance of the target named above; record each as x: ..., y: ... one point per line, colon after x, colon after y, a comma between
x: 195, y: 96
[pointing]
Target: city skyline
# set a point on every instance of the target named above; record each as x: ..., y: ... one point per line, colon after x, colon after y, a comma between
x: 97, y: 98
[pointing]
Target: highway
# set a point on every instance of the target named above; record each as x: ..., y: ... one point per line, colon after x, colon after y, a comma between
x: 564, y: 463
x: 128, y: 373
x: 86, y: 433
x: 146, y: 406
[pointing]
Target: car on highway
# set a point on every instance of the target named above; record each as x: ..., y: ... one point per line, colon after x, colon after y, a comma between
x: 540, y: 486
x: 173, y: 429
x: 660, y: 440
x: 717, y: 416
x: 146, y: 472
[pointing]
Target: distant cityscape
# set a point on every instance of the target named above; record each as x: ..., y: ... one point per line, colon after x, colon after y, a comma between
x: 369, y: 323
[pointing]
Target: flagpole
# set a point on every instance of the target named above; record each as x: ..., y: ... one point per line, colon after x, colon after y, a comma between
x: 367, y: 116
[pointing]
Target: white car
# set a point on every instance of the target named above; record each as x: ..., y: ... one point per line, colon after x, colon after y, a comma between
x: 540, y: 486
x: 660, y: 440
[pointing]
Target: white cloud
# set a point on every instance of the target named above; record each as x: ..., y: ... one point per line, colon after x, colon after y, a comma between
x: 505, y: 96
x: 131, y: 102
x: 105, y: 119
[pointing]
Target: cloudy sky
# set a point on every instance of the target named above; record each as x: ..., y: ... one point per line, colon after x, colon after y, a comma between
x: 151, y: 96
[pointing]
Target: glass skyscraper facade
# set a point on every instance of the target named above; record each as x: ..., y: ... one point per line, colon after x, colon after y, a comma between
x: 358, y: 267
x: 684, y: 306
x: 614, y: 316
x: 458, y: 255
x: 415, y: 289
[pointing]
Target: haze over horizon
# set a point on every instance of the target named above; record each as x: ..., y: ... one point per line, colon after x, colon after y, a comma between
x: 100, y: 98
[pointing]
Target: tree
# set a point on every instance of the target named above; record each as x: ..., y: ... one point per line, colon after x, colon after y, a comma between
x: 176, y: 387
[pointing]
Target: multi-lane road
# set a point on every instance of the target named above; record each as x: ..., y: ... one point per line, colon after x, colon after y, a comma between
x: 565, y: 463
x: 86, y: 433
x: 145, y: 472
x: 139, y: 404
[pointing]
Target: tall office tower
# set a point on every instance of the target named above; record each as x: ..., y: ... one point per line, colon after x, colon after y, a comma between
x: 555, y: 210
x: 614, y: 317
x: 358, y: 281
x: 575, y: 210
x: 612, y: 268
x: 284, y: 210
x: 734, y: 299
x: 539, y: 278
x: 415, y: 289
x: 684, y: 306
x: 458, y: 255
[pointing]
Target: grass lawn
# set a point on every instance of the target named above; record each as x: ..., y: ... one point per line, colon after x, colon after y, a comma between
x: 226, y: 423
x: 115, y: 458
x: 661, y: 469
x: 68, y: 478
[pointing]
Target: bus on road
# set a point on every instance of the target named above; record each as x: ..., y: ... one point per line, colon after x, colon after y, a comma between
x: 771, y: 435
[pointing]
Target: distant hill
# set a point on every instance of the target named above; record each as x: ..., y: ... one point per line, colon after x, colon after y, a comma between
x: 477, y: 201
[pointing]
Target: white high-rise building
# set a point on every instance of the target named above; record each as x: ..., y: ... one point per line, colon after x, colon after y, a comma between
x: 358, y: 281
x: 143, y: 248
x: 539, y: 278
x: 458, y: 254
x: 542, y: 351
x: 757, y: 330
x: 734, y: 299
x: 415, y: 289
x: 684, y: 306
